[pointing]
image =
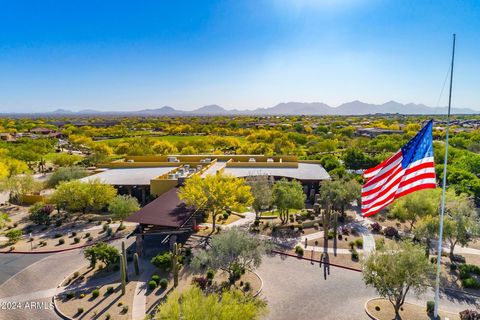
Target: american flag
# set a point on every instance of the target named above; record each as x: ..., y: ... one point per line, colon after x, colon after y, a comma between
x: 410, y: 169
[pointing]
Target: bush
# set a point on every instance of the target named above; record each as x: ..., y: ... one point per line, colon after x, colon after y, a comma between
x: 471, y: 283
x: 210, y: 274
x: 110, y: 290
x: 354, y: 254
x: 188, y: 251
x: 316, y: 226
x: 299, y: 250
x: 108, y: 316
x: 225, y: 216
x: 247, y: 286
x: 379, y: 243
x: 87, y: 234
x: 58, y: 235
x: 79, y: 310
x: 105, y: 227
x: 40, y: 213
x: 359, y: 243
x: 163, y: 261
x: 351, y: 244
x: 200, y: 282
x: 376, y: 227
x: 430, y: 306
x: 124, y: 309
x: 163, y: 283
x: 469, y: 315
x: 95, y: 293
x: 156, y: 278
x: 74, y: 234
x: 58, y: 223
x: 82, y: 295
x: 61, y: 241
x: 390, y: 232
x: 76, y: 239
x: 90, y: 239
x: 330, y: 234
x: 13, y: 235
x: 70, y: 295
x: 459, y: 258
x: 109, y: 231
x: 152, y: 284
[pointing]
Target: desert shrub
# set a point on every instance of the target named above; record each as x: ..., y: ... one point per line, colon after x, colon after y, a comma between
x: 109, y: 231
x: 188, y: 252
x: 90, y: 239
x: 459, y: 258
x: 330, y: 234
x: 74, y: 234
x: 70, y: 295
x: 61, y: 241
x: 377, y: 308
x: 124, y: 309
x: 359, y: 243
x: 210, y: 273
x: 105, y: 227
x: 225, y: 215
x: 163, y: 283
x: 87, y: 234
x: 110, y: 290
x: 471, y: 283
x: 390, y: 232
x: 58, y: 235
x: 76, y: 239
x: 247, y: 286
x: 13, y: 235
x: 162, y: 261
x: 82, y: 295
x: 354, y: 254
x: 379, y: 243
x: 40, y: 213
x: 79, y: 310
x: 351, y: 244
x: 95, y: 293
x: 156, y: 278
x: 430, y: 306
x: 299, y: 250
x: 469, y: 315
x: 200, y: 282
x: 152, y: 284
x: 376, y: 227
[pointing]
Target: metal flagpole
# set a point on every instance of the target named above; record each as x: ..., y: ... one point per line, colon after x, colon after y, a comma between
x: 444, y: 182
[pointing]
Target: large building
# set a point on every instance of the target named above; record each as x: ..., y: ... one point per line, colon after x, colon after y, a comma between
x: 154, y: 180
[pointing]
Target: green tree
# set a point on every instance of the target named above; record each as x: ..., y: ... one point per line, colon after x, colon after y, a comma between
x: 162, y: 261
x: 103, y: 252
x: 232, y: 251
x: 122, y: 206
x: 4, y: 218
x: 80, y: 196
x: 461, y: 223
x: 216, y: 193
x: 40, y: 213
x: 66, y: 160
x: 261, y: 188
x: 415, y: 206
x: 21, y: 185
x: 193, y: 304
x: 288, y: 195
x: 395, y: 270
x: 66, y: 174
x: 13, y: 235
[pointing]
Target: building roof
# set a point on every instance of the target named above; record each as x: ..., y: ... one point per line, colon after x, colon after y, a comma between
x: 305, y: 171
x: 167, y: 210
x: 130, y: 176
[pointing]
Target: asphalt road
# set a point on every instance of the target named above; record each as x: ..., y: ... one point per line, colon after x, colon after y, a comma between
x: 296, y: 289
x: 11, y: 264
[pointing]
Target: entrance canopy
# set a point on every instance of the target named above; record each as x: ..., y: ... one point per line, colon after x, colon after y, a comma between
x: 167, y: 211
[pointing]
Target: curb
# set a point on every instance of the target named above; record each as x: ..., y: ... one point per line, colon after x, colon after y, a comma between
x: 62, y: 250
x: 57, y: 310
x: 379, y: 298
x: 366, y: 309
x: 261, y: 285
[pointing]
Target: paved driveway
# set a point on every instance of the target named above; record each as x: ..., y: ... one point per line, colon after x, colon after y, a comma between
x: 295, y: 289
x: 10, y: 263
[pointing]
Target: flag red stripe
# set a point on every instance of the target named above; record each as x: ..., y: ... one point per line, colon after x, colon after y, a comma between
x: 384, y: 163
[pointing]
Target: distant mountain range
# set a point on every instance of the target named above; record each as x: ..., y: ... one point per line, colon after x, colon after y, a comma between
x: 288, y: 108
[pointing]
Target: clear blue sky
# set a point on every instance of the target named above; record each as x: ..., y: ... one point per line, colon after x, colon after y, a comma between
x: 124, y: 55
